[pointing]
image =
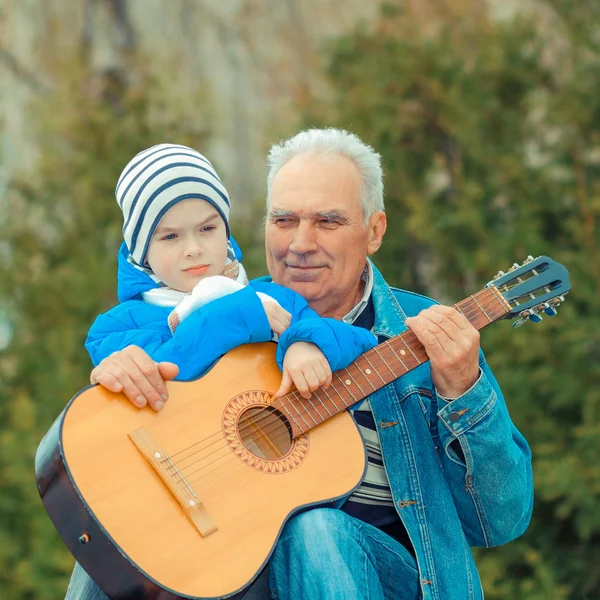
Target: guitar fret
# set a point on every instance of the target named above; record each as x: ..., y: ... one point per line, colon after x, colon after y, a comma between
x: 340, y: 395
x: 337, y: 393
x: 316, y: 395
x: 374, y: 370
x: 296, y: 408
x: 500, y: 299
x: 291, y: 416
x: 357, y: 373
x: 330, y: 399
x: 410, y: 349
x: 301, y: 401
x: 383, y: 361
x: 356, y: 382
x: 481, y: 308
x: 392, y: 349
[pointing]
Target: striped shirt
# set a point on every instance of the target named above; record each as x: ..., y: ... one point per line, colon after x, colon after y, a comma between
x: 372, y: 501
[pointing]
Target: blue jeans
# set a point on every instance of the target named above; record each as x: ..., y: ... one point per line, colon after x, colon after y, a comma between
x: 323, y: 554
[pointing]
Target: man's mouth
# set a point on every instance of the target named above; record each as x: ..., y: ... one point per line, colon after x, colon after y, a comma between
x: 307, y: 267
x: 305, y: 273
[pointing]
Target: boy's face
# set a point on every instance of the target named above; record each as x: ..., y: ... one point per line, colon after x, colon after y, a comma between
x: 189, y: 244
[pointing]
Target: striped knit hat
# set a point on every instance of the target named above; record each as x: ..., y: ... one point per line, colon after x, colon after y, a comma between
x: 155, y: 180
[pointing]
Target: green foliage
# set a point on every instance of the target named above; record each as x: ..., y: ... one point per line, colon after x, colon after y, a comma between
x: 63, y: 229
x: 489, y: 137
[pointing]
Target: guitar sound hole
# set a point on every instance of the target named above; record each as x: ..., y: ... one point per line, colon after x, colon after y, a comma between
x: 265, y: 432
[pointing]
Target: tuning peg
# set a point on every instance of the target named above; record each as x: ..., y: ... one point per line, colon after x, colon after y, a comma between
x: 528, y: 259
x: 523, y: 318
x: 551, y: 311
x: 498, y: 275
x: 536, y: 318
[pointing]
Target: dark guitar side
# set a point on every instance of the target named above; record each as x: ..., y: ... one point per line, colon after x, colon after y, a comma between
x: 98, y: 556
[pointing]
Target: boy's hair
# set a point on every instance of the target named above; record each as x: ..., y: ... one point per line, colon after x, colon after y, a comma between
x: 155, y: 180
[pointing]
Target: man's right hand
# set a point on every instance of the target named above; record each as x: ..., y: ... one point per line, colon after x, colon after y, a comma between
x: 134, y: 373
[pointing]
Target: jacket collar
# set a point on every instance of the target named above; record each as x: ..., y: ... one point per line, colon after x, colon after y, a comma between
x: 389, y: 316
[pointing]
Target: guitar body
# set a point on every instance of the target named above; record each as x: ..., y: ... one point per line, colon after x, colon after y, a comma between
x: 217, y: 451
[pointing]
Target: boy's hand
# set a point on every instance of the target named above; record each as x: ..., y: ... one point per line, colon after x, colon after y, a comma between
x: 306, y: 367
x: 279, y: 318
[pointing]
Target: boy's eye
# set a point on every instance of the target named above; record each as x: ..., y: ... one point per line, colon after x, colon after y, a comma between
x: 207, y: 228
x: 169, y: 236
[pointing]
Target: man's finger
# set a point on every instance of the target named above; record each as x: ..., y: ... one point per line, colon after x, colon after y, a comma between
x: 453, y: 315
x: 431, y: 335
x: 129, y: 388
x: 168, y: 371
x: 125, y: 366
x: 106, y: 380
x: 149, y: 383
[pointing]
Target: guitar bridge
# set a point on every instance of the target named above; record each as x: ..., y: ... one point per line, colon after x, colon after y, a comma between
x: 192, y: 506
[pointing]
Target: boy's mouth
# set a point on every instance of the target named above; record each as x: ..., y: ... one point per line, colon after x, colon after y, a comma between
x: 197, y: 270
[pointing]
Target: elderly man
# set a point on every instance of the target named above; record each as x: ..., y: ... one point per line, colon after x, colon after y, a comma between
x: 447, y: 468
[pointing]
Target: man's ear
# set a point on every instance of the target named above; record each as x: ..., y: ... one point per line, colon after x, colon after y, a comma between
x: 377, y: 227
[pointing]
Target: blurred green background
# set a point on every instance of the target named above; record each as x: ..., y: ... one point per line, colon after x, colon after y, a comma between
x: 487, y: 115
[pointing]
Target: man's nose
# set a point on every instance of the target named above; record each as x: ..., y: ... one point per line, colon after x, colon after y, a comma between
x: 305, y: 239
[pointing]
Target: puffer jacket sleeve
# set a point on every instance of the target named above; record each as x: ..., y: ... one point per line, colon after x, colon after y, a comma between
x: 487, y: 462
x: 340, y: 343
x: 197, y: 342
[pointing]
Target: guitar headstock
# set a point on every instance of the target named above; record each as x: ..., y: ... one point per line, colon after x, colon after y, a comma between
x: 534, y: 288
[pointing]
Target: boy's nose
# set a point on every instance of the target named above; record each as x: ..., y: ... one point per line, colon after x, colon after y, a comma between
x: 193, y: 247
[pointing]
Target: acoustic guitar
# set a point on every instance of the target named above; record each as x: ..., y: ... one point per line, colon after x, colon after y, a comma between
x: 189, y: 502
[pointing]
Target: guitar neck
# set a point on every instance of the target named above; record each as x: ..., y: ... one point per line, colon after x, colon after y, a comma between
x: 378, y: 367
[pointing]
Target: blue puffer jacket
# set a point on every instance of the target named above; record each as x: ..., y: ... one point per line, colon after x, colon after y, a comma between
x: 218, y: 327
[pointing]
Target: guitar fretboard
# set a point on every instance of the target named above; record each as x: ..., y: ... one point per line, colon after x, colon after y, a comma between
x: 378, y: 367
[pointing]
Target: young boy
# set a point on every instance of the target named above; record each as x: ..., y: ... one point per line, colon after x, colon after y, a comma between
x: 184, y: 297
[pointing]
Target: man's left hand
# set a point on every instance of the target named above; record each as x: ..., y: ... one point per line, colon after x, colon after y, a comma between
x: 452, y: 344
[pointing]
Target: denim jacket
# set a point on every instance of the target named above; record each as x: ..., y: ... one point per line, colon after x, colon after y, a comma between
x: 459, y: 471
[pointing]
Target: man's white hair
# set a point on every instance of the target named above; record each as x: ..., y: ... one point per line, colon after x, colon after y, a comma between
x: 330, y: 141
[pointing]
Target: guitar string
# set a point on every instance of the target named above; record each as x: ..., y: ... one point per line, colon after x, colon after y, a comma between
x: 266, y: 412
x: 277, y: 422
x: 405, y: 337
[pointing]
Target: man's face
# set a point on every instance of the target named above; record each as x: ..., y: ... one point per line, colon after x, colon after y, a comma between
x: 316, y: 239
x: 189, y: 244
